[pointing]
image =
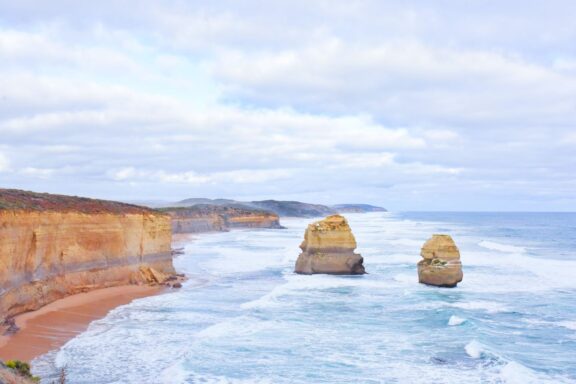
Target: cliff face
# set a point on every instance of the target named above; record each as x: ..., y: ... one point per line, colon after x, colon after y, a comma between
x: 328, y: 247
x: 205, y: 218
x: 54, y: 246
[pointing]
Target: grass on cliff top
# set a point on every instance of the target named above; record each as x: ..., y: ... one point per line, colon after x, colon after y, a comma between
x: 14, y: 199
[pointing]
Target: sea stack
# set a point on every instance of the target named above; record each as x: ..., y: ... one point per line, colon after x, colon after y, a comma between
x: 328, y: 247
x: 441, y: 265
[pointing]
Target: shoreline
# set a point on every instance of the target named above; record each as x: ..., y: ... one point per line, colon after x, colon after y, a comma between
x: 51, y: 326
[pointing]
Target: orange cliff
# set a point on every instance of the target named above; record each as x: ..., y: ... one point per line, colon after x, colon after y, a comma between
x: 52, y: 246
x: 209, y: 217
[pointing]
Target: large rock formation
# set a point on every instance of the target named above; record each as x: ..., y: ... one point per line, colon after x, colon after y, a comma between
x: 328, y: 247
x: 52, y: 246
x: 441, y: 264
x: 206, y: 218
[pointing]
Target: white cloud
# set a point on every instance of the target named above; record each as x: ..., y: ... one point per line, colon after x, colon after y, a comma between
x: 4, y: 163
x: 240, y: 176
x: 402, y: 80
x: 43, y: 173
x: 289, y: 100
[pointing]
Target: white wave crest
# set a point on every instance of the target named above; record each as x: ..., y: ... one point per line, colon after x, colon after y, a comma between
x: 455, y: 320
x: 506, y: 248
x: 474, y: 349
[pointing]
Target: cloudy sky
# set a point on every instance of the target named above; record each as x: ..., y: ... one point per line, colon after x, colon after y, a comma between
x: 413, y: 104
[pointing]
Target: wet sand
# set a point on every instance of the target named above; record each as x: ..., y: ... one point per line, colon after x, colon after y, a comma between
x: 52, y: 326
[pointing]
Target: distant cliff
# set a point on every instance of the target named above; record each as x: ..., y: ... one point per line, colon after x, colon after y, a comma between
x: 282, y: 208
x: 52, y: 246
x: 294, y: 208
x: 208, y: 217
x: 357, y: 208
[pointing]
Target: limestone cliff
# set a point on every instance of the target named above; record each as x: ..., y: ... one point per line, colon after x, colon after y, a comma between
x: 441, y: 264
x: 206, y: 218
x: 52, y: 246
x: 328, y: 247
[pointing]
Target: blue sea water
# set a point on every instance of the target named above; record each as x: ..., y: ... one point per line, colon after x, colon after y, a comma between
x: 245, y: 317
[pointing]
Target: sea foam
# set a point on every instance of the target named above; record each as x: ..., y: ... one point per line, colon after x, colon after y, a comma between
x: 455, y: 320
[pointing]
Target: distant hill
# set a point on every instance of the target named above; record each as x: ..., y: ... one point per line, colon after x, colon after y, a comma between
x: 200, y: 200
x: 282, y: 208
x: 357, y: 208
x: 293, y: 208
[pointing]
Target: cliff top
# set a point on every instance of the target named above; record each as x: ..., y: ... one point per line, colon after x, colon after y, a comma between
x: 14, y: 199
x: 330, y: 233
x: 331, y: 223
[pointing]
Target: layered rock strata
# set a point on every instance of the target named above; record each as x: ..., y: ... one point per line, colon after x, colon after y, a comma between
x: 207, y: 218
x: 52, y: 246
x: 441, y: 265
x: 328, y: 247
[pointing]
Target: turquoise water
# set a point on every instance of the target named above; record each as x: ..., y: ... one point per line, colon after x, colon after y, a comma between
x: 244, y: 317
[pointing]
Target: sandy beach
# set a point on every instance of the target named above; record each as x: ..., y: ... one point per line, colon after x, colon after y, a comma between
x: 52, y: 326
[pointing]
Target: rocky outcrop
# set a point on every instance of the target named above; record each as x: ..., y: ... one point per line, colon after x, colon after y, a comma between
x: 328, y: 247
x: 207, y: 218
x: 52, y: 246
x: 441, y: 264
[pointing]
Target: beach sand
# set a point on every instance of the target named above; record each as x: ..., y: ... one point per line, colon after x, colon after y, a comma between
x: 52, y: 326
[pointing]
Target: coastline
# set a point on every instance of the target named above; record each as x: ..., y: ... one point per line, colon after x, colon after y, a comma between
x: 53, y: 325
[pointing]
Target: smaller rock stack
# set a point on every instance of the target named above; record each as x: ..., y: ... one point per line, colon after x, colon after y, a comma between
x: 441, y: 265
x: 328, y: 247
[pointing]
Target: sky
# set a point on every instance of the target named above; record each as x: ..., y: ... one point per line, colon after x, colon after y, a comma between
x: 465, y: 105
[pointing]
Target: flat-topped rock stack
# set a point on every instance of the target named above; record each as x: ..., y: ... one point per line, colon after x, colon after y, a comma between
x: 441, y: 264
x: 328, y: 247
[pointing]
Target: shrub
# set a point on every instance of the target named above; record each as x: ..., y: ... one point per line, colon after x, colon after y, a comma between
x: 22, y: 368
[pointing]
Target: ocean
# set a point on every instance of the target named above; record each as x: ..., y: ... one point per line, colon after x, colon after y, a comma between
x: 245, y: 317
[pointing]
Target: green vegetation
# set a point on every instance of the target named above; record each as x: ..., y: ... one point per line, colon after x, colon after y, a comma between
x: 22, y: 368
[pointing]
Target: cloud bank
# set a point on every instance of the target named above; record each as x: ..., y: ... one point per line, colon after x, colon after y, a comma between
x: 411, y: 105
